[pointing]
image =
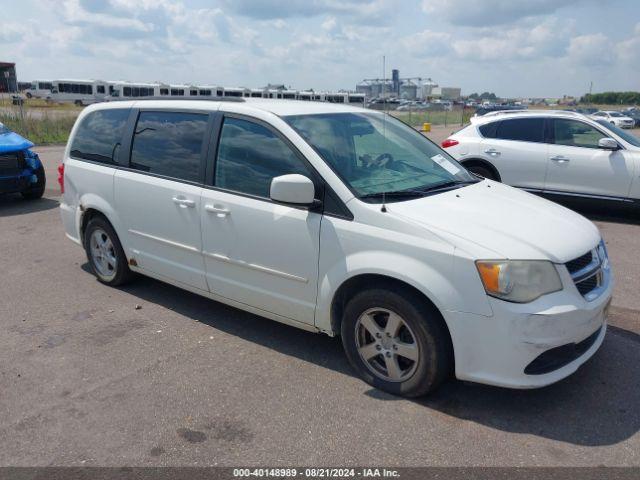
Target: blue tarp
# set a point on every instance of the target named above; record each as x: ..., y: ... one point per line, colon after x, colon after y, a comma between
x: 11, y: 141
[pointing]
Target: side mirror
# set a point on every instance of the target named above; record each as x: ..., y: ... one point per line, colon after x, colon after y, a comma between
x: 608, y: 144
x: 292, y: 189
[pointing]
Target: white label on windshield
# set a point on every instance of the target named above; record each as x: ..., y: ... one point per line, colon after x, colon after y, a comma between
x: 446, y: 164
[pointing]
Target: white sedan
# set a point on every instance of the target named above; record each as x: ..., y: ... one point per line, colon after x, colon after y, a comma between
x: 616, y: 118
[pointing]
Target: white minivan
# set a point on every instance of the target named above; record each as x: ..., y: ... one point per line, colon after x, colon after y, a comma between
x: 340, y: 220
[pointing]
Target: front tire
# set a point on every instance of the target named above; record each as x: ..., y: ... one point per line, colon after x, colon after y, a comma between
x: 105, y: 254
x: 396, y: 341
x: 35, y: 192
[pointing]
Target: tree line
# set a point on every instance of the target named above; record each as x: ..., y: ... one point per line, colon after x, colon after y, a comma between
x: 612, y: 98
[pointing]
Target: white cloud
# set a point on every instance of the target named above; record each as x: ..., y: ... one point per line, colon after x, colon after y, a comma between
x: 74, y: 13
x: 628, y: 51
x: 357, y: 11
x: 329, y: 24
x: 491, y: 12
x: 532, y: 40
x: 592, y: 50
x: 428, y: 43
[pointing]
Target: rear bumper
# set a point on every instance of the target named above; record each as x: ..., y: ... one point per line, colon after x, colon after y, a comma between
x: 70, y: 221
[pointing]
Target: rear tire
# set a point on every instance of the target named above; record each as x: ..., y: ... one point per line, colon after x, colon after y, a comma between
x: 482, y: 171
x: 105, y: 254
x: 396, y: 341
x: 35, y: 192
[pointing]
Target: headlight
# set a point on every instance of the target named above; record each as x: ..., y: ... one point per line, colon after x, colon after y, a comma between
x: 519, y: 281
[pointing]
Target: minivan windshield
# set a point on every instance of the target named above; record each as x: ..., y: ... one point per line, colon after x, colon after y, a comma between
x: 632, y: 139
x: 377, y: 155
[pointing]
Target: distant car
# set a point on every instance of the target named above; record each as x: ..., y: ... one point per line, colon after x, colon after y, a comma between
x: 20, y: 169
x: 558, y: 154
x: 616, y: 118
x: 635, y: 114
x: 586, y: 111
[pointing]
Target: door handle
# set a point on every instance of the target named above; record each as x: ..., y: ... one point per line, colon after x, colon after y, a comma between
x: 184, y: 202
x: 560, y: 159
x: 492, y: 151
x: 219, y: 211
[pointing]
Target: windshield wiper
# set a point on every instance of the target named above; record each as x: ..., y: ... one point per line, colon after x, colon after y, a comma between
x: 394, y: 194
x: 448, y: 185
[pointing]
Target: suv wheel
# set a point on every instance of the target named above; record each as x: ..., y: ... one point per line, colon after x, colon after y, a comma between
x: 105, y: 254
x: 396, y: 342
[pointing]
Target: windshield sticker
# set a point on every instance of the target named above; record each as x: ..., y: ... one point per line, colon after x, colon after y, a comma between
x: 446, y: 164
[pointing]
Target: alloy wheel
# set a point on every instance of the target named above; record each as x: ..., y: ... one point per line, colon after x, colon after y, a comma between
x: 387, y: 345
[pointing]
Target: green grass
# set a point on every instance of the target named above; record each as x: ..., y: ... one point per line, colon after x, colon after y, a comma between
x: 40, y: 129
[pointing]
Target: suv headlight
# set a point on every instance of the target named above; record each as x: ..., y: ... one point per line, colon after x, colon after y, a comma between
x: 519, y: 281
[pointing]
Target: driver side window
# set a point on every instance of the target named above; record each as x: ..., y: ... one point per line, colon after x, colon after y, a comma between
x: 575, y: 134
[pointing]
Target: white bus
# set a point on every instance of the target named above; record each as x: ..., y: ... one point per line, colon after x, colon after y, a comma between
x: 127, y: 90
x: 80, y: 92
x: 210, y: 91
x: 309, y: 96
x: 255, y: 93
x: 39, y: 89
x: 234, y: 92
x: 348, y: 98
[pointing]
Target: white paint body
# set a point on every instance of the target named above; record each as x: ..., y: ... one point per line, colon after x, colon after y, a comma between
x: 553, y: 168
x: 287, y: 263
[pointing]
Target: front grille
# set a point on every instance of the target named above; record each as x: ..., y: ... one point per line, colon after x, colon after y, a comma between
x: 12, y: 164
x: 587, y: 272
x: 579, y: 263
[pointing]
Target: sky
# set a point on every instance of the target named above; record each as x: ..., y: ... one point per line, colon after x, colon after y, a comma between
x: 515, y: 48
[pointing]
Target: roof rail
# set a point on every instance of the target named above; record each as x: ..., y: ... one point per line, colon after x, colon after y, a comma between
x: 532, y: 112
x: 496, y: 113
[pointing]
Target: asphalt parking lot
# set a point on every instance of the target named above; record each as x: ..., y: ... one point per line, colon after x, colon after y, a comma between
x: 149, y: 374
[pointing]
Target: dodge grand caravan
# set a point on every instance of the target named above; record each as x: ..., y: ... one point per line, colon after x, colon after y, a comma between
x: 345, y: 221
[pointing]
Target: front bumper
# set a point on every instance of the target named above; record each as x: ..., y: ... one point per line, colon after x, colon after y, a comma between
x: 15, y: 184
x: 497, y: 350
x: 18, y: 171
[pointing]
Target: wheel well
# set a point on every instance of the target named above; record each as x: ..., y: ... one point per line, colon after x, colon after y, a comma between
x: 362, y: 282
x: 88, y: 214
x: 482, y: 163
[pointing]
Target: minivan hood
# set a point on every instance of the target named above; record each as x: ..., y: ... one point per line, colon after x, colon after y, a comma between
x: 510, y: 222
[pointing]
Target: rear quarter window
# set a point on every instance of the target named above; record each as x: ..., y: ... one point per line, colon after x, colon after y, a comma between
x: 488, y: 130
x: 521, y: 130
x: 99, y: 135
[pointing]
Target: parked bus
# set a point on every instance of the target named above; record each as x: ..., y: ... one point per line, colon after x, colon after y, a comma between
x: 255, y: 93
x: 79, y: 92
x: 309, y: 96
x: 129, y: 90
x: 234, y: 92
x: 39, y: 89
